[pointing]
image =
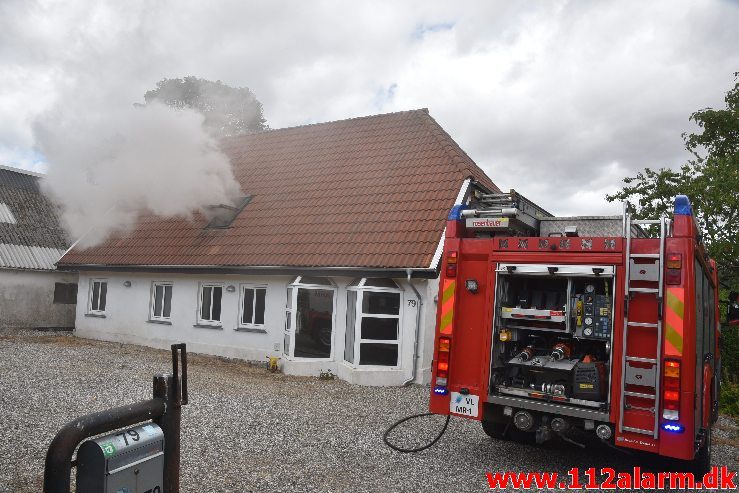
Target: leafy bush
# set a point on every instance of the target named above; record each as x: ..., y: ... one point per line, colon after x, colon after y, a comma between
x: 730, y: 371
x: 730, y: 353
x: 730, y: 399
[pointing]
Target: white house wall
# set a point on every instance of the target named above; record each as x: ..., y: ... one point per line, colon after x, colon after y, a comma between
x: 27, y: 299
x: 127, y: 320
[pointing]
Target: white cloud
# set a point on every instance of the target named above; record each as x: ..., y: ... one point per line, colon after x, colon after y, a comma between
x: 559, y: 100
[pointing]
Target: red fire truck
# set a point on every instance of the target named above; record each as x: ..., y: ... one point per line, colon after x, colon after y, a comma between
x: 549, y: 324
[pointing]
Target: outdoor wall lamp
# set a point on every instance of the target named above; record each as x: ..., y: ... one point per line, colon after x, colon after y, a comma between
x: 230, y: 288
x: 127, y: 284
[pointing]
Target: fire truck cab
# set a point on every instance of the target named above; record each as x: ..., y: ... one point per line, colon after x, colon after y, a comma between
x: 604, y: 324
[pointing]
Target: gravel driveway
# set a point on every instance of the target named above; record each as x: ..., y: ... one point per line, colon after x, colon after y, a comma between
x: 249, y: 430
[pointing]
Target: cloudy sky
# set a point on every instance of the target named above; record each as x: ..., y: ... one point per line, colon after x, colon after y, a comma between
x: 559, y: 99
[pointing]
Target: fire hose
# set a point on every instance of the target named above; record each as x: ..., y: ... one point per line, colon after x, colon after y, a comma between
x: 418, y: 449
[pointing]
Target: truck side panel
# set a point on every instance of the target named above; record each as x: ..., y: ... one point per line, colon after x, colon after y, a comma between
x: 462, y: 308
x: 469, y: 355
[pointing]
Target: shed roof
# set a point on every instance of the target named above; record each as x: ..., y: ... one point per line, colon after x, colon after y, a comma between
x: 30, y: 234
x: 370, y: 192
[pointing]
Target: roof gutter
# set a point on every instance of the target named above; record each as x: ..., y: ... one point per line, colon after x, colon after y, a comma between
x: 414, y: 363
x: 397, y: 273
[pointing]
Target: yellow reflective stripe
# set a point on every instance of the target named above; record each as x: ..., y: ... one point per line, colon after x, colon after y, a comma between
x: 449, y: 287
x: 675, y: 304
x: 446, y: 319
x: 447, y: 307
x: 674, y: 338
x: 674, y: 325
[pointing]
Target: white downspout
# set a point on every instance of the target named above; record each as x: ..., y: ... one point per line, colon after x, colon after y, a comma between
x: 434, y: 263
x: 418, y: 329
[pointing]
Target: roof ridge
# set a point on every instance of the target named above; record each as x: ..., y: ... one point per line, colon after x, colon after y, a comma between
x: 459, y: 157
x: 307, y: 125
x: 21, y: 171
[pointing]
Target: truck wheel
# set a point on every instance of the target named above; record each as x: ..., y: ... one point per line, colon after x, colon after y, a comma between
x: 702, y: 462
x: 495, y: 429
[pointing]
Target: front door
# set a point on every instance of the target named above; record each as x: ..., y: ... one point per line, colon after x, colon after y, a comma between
x: 309, y: 325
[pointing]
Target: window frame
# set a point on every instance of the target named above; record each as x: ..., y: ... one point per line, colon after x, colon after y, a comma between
x: 292, y: 326
x: 254, y: 287
x: 361, y: 290
x: 201, y: 286
x: 65, y: 293
x: 152, y: 300
x: 90, y: 309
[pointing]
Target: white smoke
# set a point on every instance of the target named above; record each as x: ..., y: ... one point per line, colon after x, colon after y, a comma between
x: 108, y: 165
x: 107, y: 161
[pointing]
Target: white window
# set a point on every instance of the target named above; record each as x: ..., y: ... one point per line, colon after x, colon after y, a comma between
x: 98, y: 296
x: 6, y: 215
x: 161, y: 300
x: 373, y: 323
x: 209, y: 309
x: 251, y: 313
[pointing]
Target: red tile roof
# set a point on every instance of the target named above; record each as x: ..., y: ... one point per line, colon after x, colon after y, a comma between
x: 369, y: 192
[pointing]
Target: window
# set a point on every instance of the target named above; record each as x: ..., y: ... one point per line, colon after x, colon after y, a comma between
x: 98, y: 296
x: 252, y: 306
x: 222, y: 215
x: 209, y: 311
x: 65, y: 293
x: 312, y: 281
x: 310, y: 308
x: 161, y: 301
x: 6, y: 216
x: 373, y: 323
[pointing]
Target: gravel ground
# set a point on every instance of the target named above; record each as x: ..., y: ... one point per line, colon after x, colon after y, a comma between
x: 248, y: 430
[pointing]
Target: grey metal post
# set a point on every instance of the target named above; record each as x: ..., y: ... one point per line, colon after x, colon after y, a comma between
x: 170, y: 421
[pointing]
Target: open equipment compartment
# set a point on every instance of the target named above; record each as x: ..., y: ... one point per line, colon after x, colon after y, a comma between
x: 552, y: 333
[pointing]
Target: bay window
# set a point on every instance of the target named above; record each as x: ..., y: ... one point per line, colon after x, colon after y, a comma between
x: 373, y: 323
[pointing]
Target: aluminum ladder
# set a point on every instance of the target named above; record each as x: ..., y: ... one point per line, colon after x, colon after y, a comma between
x: 648, y: 369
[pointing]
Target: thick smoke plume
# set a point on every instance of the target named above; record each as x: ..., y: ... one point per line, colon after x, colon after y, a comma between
x: 107, y: 160
x: 109, y: 164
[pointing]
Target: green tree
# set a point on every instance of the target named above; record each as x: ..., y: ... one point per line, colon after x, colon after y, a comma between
x: 710, y: 178
x: 227, y: 110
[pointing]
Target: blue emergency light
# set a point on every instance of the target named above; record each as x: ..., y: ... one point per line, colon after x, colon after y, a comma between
x: 456, y: 213
x: 441, y: 390
x: 682, y: 206
x: 675, y: 428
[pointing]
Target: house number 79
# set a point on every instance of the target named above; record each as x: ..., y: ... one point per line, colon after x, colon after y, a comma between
x: 411, y: 302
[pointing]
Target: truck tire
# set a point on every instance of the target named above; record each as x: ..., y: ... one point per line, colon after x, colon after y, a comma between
x: 495, y: 429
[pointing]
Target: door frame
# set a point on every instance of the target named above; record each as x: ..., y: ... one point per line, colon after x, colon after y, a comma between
x: 291, y: 310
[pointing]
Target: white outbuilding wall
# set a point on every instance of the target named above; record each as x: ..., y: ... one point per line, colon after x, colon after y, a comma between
x: 27, y: 299
x: 126, y: 319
